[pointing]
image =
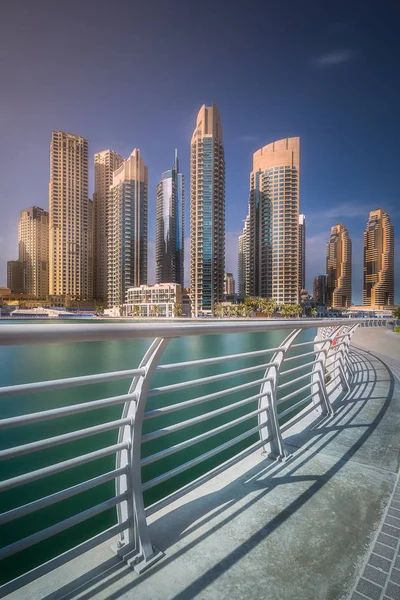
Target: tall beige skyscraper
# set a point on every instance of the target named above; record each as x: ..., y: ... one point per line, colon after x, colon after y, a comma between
x: 33, y: 251
x: 378, y: 275
x: 302, y: 252
x: 338, y: 267
x: 207, y: 212
x: 105, y: 163
x: 70, y: 237
x: 243, y: 260
x: 274, y: 221
x: 127, y: 236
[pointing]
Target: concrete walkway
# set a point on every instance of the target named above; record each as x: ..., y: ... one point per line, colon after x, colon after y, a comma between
x: 320, y: 526
x: 383, y: 343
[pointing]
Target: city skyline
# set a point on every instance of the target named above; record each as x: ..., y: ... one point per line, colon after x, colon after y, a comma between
x: 320, y: 90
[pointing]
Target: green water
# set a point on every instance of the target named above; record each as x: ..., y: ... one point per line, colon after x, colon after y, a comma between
x: 23, y: 364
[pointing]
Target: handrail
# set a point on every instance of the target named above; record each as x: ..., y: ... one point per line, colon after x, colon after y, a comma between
x: 258, y: 414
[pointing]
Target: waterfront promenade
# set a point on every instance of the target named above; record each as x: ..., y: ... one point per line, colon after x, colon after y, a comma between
x: 325, y: 524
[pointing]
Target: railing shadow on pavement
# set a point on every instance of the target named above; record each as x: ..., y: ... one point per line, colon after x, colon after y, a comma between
x: 262, y: 477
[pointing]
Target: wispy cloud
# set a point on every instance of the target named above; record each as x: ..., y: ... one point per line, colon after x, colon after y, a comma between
x: 347, y: 210
x: 335, y: 57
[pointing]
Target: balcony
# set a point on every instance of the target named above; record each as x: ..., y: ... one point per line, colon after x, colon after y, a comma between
x: 247, y: 520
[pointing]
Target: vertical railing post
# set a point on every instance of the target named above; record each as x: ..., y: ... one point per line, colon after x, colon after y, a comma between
x: 134, y: 545
x: 268, y: 418
x: 318, y: 371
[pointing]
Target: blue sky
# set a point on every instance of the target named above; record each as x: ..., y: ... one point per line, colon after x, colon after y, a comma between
x: 133, y: 74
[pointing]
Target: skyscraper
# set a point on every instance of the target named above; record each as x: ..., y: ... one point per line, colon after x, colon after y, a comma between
x: 70, y: 236
x: 243, y: 260
x: 320, y: 290
x: 170, y: 205
x: 338, y: 267
x: 127, y: 240
x: 15, y: 280
x: 105, y: 163
x: 207, y: 212
x: 302, y: 252
x: 33, y: 251
x: 378, y: 275
x: 274, y: 221
x: 229, y: 284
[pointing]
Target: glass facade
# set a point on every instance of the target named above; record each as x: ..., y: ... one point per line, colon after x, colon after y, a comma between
x: 170, y: 226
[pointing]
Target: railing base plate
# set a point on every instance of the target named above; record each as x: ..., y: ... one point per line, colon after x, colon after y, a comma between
x: 137, y: 562
x: 278, y: 457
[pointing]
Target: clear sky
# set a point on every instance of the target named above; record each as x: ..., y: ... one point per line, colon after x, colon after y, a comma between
x: 131, y: 73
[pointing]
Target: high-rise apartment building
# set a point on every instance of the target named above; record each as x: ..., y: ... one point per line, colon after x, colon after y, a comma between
x: 378, y: 275
x: 207, y: 212
x: 33, y: 251
x: 105, y: 163
x: 70, y: 235
x: 243, y: 260
x: 229, y: 284
x: 127, y: 236
x: 338, y: 267
x: 274, y: 222
x: 15, y: 280
x: 170, y: 205
x: 302, y: 252
x: 320, y: 290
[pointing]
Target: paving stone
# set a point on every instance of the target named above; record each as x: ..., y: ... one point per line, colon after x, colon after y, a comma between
x: 374, y: 575
x: 395, y: 504
x: 390, y: 530
x: 397, y: 563
x: 380, y: 563
x: 357, y: 596
x: 395, y: 576
x: 394, y: 512
x: 388, y: 540
x: 369, y: 589
x: 384, y: 550
x: 394, y: 521
x: 393, y: 591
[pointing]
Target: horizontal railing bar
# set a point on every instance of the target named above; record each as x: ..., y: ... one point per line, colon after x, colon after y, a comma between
x: 14, y: 335
x: 26, y: 509
x: 192, y: 463
x: 199, y: 438
x: 204, y: 380
x: 13, y: 482
x: 199, y: 419
x: 55, y: 413
x: 300, y: 367
x: 58, y: 384
x: 62, y: 439
x: 203, y: 478
x: 287, y: 359
x: 62, y: 559
x: 293, y: 394
x: 287, y: 384
x: 44, y: 534
x: 310, y: 343
x: 292, y: 408
x: 187, y: 403
x: 216, y: 360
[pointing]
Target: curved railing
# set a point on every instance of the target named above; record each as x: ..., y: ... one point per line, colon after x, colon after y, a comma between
x: 273, y: 393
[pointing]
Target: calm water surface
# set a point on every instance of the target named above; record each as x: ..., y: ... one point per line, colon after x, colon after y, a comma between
x: 24, y: 364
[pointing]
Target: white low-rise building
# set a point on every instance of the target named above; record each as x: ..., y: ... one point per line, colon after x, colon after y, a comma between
x: 160, y: 300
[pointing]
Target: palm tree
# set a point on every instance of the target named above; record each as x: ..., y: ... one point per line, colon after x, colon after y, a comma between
x: 245, y: 310
x: 178, y: 311
x: 313, y: 312
x: 155, y: 309
x: 396, y: 313
x: 136, y: 310
x: 218, y: 310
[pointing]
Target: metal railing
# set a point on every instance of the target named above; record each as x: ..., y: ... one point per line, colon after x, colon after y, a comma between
x: 272, y: 393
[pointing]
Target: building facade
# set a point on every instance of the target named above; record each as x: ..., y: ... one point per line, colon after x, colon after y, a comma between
x: 33, y: 251
x: 207, y: 212
x: 154, y: 300
x: 105, y: 163
x: 243, y: 260
x: 170, y: 205
x: 15, y: 280
x: 274, y: 222
x: 338, y: 267
x: 229, y: 284
x: 378, y: 273
x: 70, y: 233
x: 127, y: 239
x: 320, y: 290
x: 302, y: 252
